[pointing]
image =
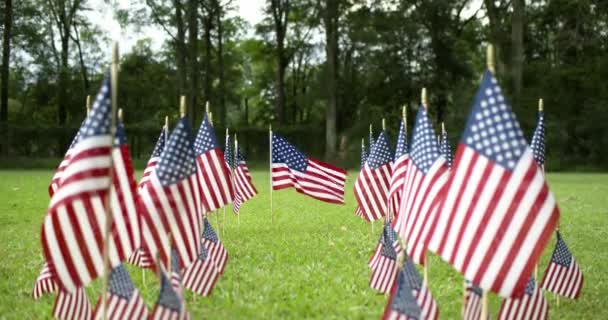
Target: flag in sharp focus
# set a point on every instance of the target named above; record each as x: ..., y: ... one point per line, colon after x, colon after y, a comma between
x: 400, y: 163
x: 291, y: 168
x: 74, y: 229
x: 373, y: 183
x: 446, y: 149
x: 385, y: 267
x: 202, y: 274
x: 123, y: 299
x: 216, y: 250
x: 426, y: 175
x: 213, y: 172
x: 243, y: 184
x: 56, y: 179
x: 563, y: 275
x: 497, y: 213
x: 170, y: 201
x: 530, y: 306
x: 158, y: 149
x: 170, y: 305
x: 538, y: 140
x: 388, y: 236
x: 472, y: 302
x: 72, y: 306
x: 44, y: 283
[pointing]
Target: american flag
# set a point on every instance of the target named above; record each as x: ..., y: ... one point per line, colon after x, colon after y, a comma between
x: 158, y: 149
x: 176, y: 275
x: 446, y: 149
x: 56, y: 180
x: 497, y: 213
x: 141, y: 258
x: 74, y: 229
x: 400, y: 163
x: 385, y: 267
x: 216, y: 250
x: 426, y: 174
x: 72, y: 306
x: 291, y: 168
x: 373, y: 183
x: 243, y: 185
x: 170, y: 305
x: 202, y: 274
x: 388, y: 236
x: 44, y: 283
x: 410, y: 299
x: 538, y: 140
x: 531, y: 306
x: 123, y: 299
x: 170, y: 201
x: 372, y: 143
x: 473, y: 302
x: 213, y: 173
x: 563, y: 275
x: 229, y: 153
x: 359, y: 211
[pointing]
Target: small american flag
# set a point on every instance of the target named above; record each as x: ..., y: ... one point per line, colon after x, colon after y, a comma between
x: 291, y: 168
x: 158, y: 149
x: 372, y: 143
x: 216, y: 250
x: 74, y: 229
x: 373, y: 183
x: 531, y: 306
x: 72, y: 306
x: 497, y: 213
x: 229, y: 153
x: 538, y: 140
x: 473, y: 302
x: 170, y: 305
x: 141, y: 258
x: 446, y: 149
x: 244, y: 188
x: 359, y: 211
x: 44, y: 283
x: 170, y: 201
x: 213, y: 173
x: 202, y: 274
x: 176, y: 275
x: 563, y: 275
x: 123, y: 300
x: 385, y: 267
x: 388, y: 236
x: 56, y: 180
x: 400, y: 164
x: 426, y: 175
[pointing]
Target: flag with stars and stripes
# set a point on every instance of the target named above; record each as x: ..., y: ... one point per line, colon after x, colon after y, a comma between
x: 72, y: 306
x: 170, y: 305
x: 44, y: 283
x: 472, y: 302
x: 446, y: 149
x: 372, y: 143
x: 373, y: 183
x: 538, y: 140
x: 201, y: 276
x: 216, y: 250
x: 73, y: 230
x: 213, y: 172
x: 359, y: 211
x: 123, y: 299
x: 388, y: 236
x: 243, y: 184
x: 176, y: 275
x: 563, y: 275
x: 410, y: 299
x: 170, y: 201
x: 158, y: 149
x: 497, y: 213
x: 56, y: 179
x: 141, y: 258
x: 291, y: 168
x: 530, y: 306
x: 385, y: 268
x: 426, y: 175
x: 229, y: 154
x: 400, y: 164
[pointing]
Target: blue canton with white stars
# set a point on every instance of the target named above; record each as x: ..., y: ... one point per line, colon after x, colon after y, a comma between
x: 446, y: 149
x: 404, y: 301
x: 363, y: 157
x: 98, y: 122
x: 168, y: 298
x: 381, y: 154
x: 120, y: 283
x: 121, y: 137
x: 174, y: 261
x: 371, y: 142
x: 77, y: 136
x: 538, y: 140
x: 209, y: 234
x: 424, y: 149
x: 228, y: 153
x: 561, y: 255
x: 530, y: 286
x: 401, y: 148
x: 391, y: 235
x: 388, y: 251
x: 492, y: 129
x: 160, y: 144
x: 205, y: 138
x: 240, y: 157
x: 413, y: 276
x: 284, y: 152
x: 177, y: 161
x: 202, y: 254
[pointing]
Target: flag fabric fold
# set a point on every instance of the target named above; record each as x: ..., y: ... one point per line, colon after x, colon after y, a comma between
x: 243, y: 184
x: 216, y: 250
x: 359, y: 211
x: 385, y: 266
x: 563, y: 275
x: 538, y: 140
x: 170, y: 305
x: 400, y: 164
x: 388, y: 236
x: 202, y: 275
x: 44, y: 283
x: 123, y: 299
x: 530, y: 306
x: 154, y: 157
x: 446, y: 149
x: 58, y: 174
x: 72, y: 306
x: 472, y: 302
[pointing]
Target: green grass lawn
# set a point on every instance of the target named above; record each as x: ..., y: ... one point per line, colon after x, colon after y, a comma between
x: 311, y: 263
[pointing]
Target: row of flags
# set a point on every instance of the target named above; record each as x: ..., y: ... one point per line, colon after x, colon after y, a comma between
x: 489, y: 213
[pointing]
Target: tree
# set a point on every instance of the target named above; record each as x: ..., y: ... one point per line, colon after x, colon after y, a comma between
x: 6, y: 54
x: 330, y: 21
x: 517, y: 49
x: 280, y: 16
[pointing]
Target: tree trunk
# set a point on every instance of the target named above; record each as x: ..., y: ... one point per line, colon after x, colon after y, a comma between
x: 220, y: 64
x: 193, y: 58
x: 207, y: 28
x: 180, y: 48
x: 331, y: 51
x: 62, y: 86
x: 83, y: 67
x: 6, y: 55
x: 280, y: 14
x: 517, y: 50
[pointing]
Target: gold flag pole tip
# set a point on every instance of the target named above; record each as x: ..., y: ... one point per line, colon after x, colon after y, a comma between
x: 182, y: 106
x: 490, y: 58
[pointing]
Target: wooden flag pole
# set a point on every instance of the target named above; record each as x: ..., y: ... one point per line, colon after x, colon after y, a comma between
x: 236, y: 152
x: 424, y: 100
x: 484, y: 305
x: 108, y: 208
x: 270, y: 172
x: 88, y: 105
x: 166, y: 131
